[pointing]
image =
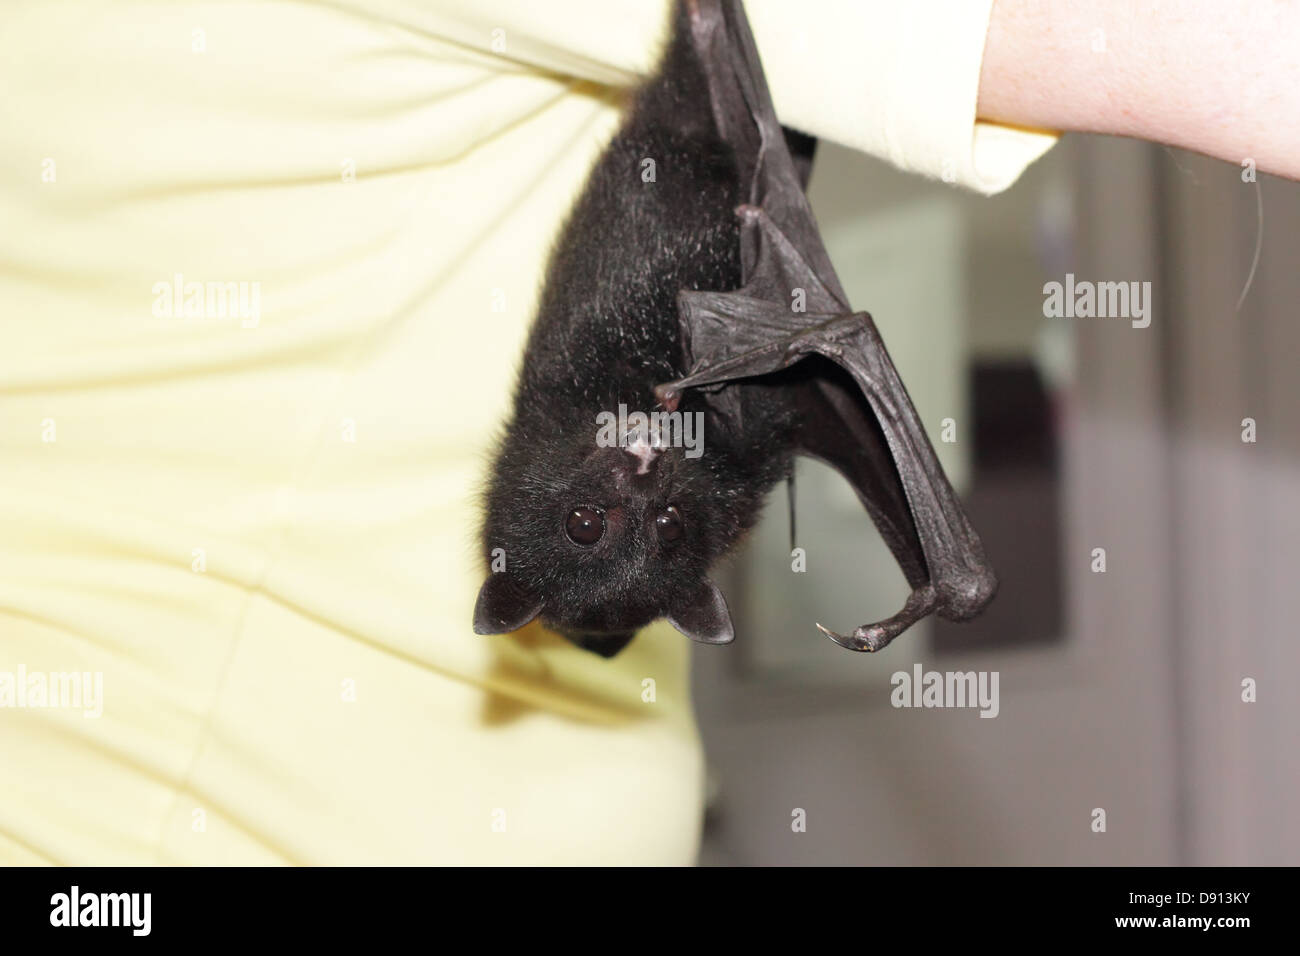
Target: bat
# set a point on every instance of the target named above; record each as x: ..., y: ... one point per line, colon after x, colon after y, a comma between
x: 692, y: 339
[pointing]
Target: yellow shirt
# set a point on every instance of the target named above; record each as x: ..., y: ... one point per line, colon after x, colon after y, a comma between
x: 265, y: 275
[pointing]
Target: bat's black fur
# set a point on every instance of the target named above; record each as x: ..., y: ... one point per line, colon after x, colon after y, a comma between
x: 606, y: 333
x: 708, y: 287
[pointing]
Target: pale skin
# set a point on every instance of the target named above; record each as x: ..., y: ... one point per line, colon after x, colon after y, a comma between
x: 1220, y: 77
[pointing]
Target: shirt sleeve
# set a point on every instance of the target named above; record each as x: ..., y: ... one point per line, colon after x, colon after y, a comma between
x: 899, y: 81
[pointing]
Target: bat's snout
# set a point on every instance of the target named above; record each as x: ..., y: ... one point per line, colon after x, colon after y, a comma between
x: 645, y: 453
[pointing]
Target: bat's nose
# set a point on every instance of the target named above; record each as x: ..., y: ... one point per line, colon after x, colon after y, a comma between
x: 644, y: 452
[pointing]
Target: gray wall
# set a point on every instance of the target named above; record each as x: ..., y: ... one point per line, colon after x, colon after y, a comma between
x: 1136, y: 706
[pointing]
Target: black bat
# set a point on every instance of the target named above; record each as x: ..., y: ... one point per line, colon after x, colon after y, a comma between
x: 691, y: 278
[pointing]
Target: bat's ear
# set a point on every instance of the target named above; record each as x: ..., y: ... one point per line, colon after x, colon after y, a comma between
x: 503, y: 606
x: 704, y: 617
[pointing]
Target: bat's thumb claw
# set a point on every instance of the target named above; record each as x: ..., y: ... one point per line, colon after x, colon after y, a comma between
x: 872, y: 637
x: 868, y: 638
x: 852, y: 642
x: 668, y: 396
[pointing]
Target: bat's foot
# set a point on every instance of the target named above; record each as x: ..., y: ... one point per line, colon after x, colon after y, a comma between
x: 873, y: 637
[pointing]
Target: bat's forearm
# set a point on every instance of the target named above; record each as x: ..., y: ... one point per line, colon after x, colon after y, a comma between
x: 1214, y: 76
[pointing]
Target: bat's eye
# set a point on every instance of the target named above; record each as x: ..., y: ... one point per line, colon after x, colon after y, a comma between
x: 584, y: 526
x: 669, y: 524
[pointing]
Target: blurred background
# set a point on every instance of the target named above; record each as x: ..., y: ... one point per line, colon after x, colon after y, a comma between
x: 1125, y: 689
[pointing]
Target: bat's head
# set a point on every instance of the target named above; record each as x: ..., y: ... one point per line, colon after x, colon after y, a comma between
x: 601, y: 535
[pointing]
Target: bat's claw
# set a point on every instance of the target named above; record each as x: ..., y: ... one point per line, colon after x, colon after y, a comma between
x: 868, y: 638
x: 874, y: 637
x: 668, y: 396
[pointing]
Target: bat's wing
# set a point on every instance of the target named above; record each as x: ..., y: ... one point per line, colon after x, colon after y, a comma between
x: 855, y: 413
